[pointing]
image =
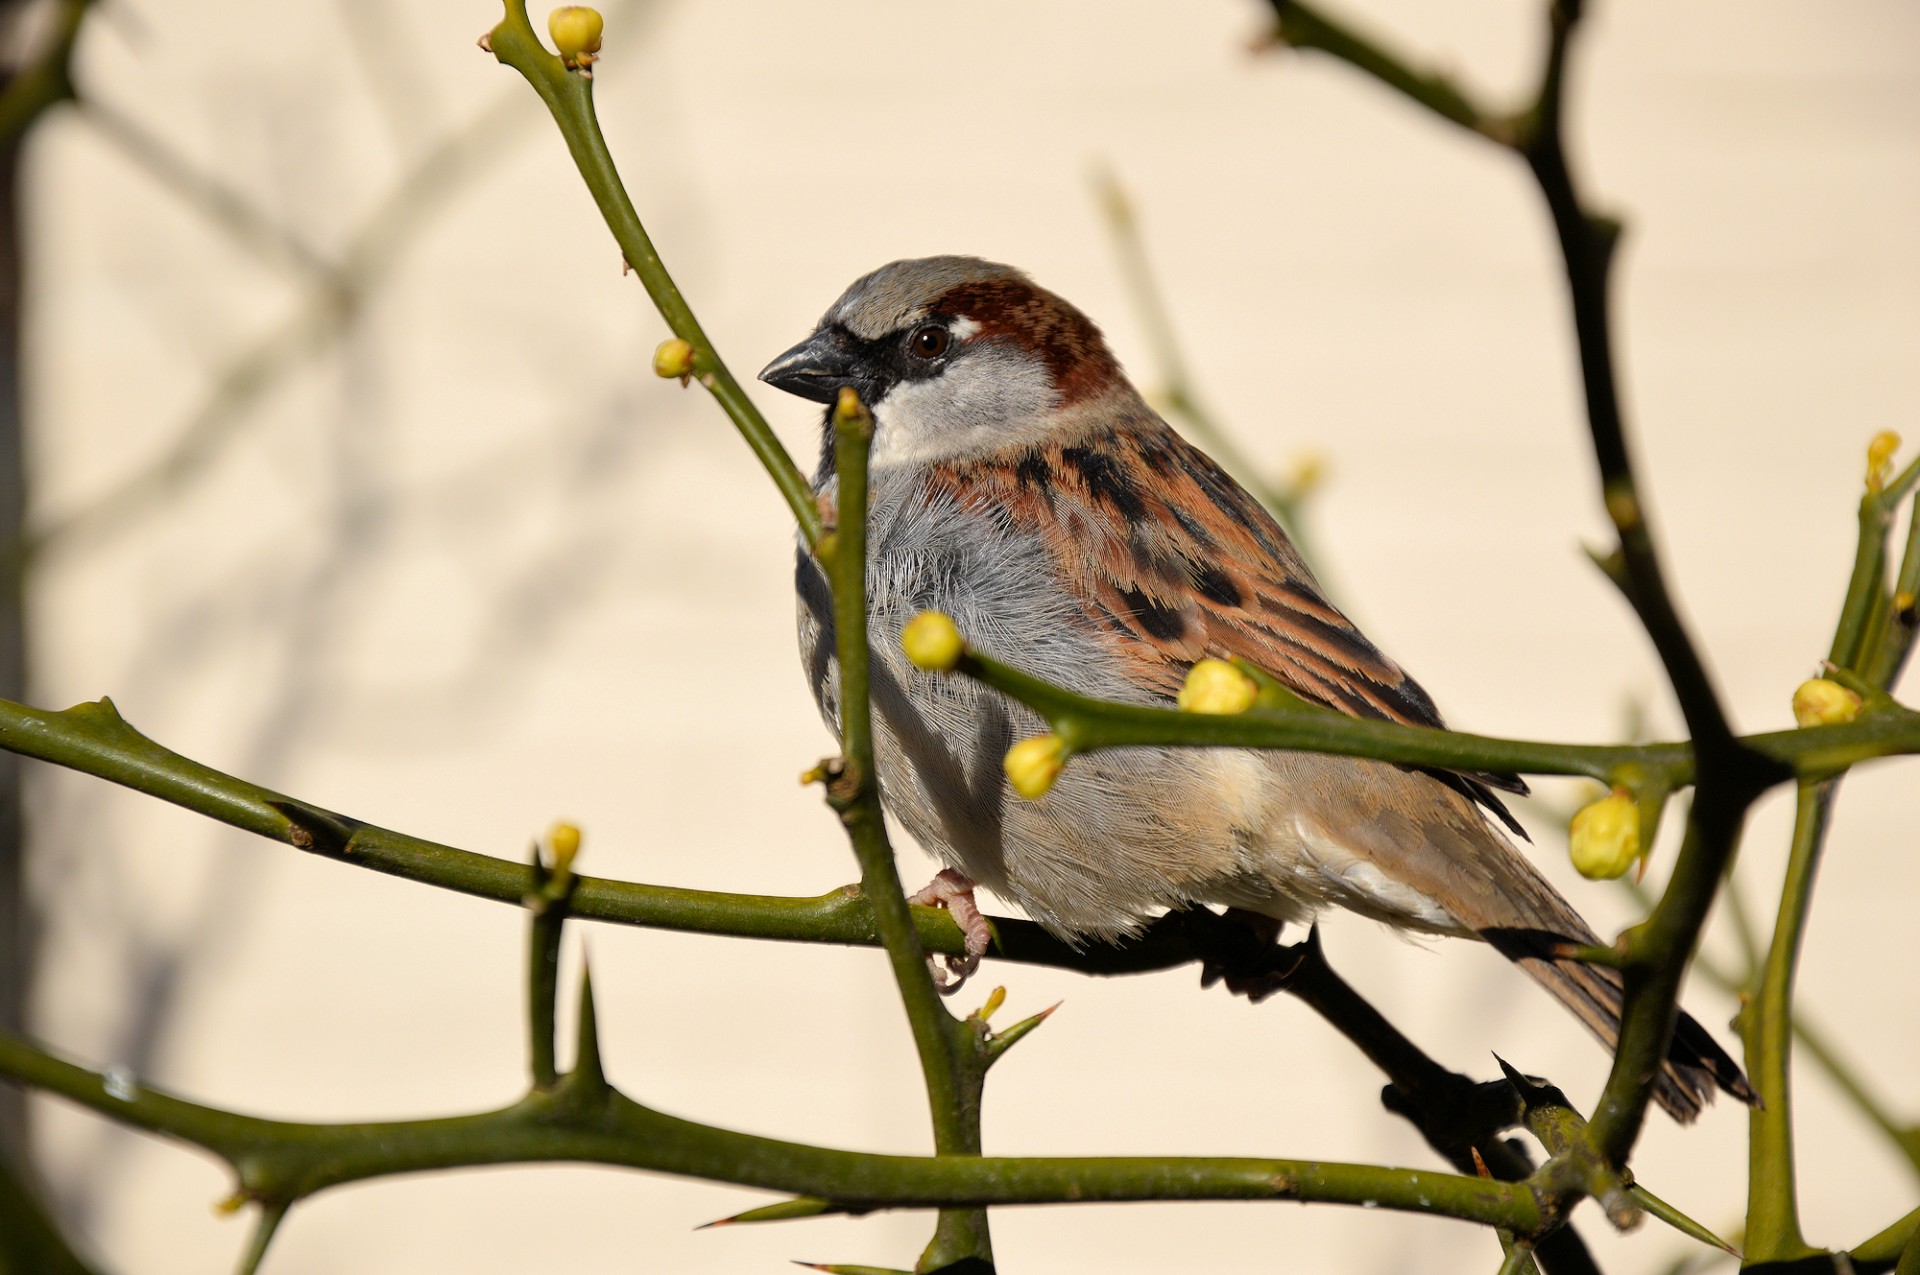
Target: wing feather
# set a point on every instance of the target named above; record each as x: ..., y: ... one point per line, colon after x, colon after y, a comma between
x: 1172, y: 555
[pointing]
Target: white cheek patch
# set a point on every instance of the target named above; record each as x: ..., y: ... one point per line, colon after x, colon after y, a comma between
x: 986, y: 399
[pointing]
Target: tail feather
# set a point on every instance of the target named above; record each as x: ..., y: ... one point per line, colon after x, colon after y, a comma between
x: 1695, y: 1064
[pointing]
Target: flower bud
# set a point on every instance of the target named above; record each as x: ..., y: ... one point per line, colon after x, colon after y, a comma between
x: 995, y: 999
x: 848, y: 408
x: 1306, y: 472
x: 1215, y: 686
x: 576, y: 34
x: 674, y: 358
x: 1880, y: 458
x: 1033, y: 764
x: 563, y: 839
x: 932, y: 642
x: 1820, y: 702
x: 1604, y: 838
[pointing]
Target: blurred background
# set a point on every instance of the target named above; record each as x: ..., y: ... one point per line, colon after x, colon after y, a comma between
x: 350, y: 477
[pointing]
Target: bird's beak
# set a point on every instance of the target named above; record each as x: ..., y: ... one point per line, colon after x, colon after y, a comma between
x: 818, y: 366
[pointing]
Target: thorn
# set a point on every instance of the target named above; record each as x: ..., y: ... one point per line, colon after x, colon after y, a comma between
x: 1479, y: 1165
x: 779, y: 1211
x: 588, y: 1073
x: 1000, y: 1042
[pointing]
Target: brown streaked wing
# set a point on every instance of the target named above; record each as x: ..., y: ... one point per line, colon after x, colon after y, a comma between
x: 1177, y: 560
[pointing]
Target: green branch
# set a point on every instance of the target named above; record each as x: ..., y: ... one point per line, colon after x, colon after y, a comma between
x: 569, y: 96
x: 1086, y: 724
x: 952, y: 1060
x: 1773, y: 1216
x: 583, y: 1120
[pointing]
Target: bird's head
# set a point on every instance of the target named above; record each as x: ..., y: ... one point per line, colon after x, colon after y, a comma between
x: 953, y: 355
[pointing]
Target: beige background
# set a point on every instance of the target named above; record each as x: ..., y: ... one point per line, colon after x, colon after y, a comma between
x: 473, y: 568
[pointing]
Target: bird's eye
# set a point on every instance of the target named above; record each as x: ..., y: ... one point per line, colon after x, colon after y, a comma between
x: 930, y: 341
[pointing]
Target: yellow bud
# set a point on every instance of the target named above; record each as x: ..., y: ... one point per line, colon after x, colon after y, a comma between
x: 1033, y: 764
x: 932, y: 642
x: 1215, y: 686
x: 1880, y: 458
x: 996, y: 998
x: 848, y: 406
x: 1604, y: 838
x: 1820, y: 702
x: 674, y: 358
x: 1309, y: 468
x: 563, y: 839
x: 576, y: 34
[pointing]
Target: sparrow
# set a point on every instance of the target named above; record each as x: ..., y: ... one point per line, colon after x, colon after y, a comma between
x: 1020, y: 484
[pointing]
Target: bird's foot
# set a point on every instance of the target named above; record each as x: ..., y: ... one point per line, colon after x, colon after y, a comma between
x: 1249, y: 958
x: 954, y: 891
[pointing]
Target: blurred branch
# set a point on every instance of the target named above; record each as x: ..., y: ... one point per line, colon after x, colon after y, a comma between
x: 326, y: 313
x: 221, y: 203
x: 47, y: 79
x: 1176, y: 388
x: 30, y: 1244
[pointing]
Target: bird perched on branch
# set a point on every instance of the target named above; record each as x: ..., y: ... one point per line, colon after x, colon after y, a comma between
x: 1021, y: 485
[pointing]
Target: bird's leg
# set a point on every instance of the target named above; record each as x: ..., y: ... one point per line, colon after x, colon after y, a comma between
x: 1248, y: 956
x: 954, y: 891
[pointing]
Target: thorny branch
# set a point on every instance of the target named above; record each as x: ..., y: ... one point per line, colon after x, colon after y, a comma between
x: 579, y: 1116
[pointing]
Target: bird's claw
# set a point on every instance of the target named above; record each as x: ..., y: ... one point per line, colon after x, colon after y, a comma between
x: 954, y: 891
x: 1249, y: 957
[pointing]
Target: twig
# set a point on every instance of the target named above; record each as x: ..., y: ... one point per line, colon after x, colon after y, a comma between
x: 1729, y: 774
x: 569, y: 96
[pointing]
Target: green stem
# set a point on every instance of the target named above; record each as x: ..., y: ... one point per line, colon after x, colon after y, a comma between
x: 1773, y: 1214
x: 547, y: 905
x: 569, y: 96
x: 1086, y: 724
x: 282, y: 1161
x: 1903, y: 621
x: 950, y: 1062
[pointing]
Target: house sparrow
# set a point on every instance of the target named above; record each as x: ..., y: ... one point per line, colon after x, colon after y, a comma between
x: 1021, y: 485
